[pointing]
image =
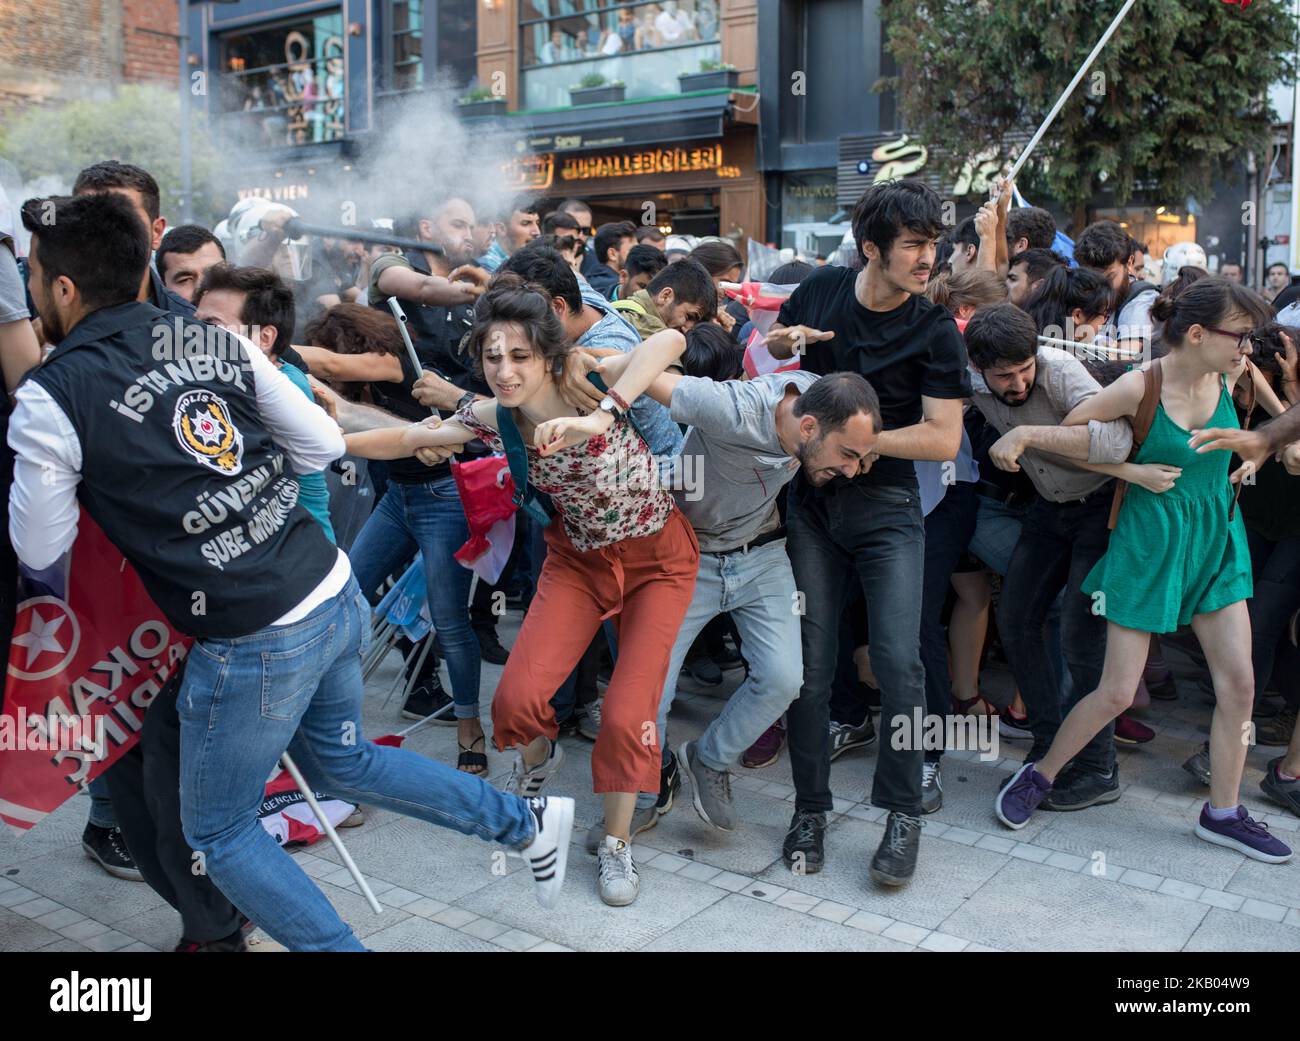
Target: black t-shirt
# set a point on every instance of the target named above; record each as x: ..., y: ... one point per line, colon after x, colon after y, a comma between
x: 905, y: 353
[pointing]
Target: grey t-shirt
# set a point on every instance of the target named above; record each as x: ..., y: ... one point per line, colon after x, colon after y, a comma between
x: 13, y: 301
x: 732, y: 465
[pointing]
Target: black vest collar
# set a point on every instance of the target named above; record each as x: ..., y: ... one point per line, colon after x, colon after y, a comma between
x: 106, y: 322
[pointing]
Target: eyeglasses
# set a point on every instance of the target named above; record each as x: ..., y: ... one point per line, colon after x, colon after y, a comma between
x: 1251, y: 336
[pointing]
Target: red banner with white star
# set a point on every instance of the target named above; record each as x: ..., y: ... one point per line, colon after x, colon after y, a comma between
x: 90, y: 650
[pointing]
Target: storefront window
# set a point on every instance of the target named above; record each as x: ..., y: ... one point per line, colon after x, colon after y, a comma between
x: 426, y: 34
x: 408, y: 44
x: 283, y: 85
x: 644, y: 45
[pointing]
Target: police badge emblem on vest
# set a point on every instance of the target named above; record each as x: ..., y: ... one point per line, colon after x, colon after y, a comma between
x: 204, y: 429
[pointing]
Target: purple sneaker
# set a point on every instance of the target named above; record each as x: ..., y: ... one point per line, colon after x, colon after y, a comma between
x: 1243, y: 834
x: 766, y: 750
x: 1019, y: 798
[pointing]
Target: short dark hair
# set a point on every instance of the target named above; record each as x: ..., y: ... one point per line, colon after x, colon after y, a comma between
x: 268, y: 302
x: 791, y: 274
x: 183, y: 240
x: 717, y: 257
x: 711, y: 353
x: 97, y: 241
x: 1135, y: 246
x: 835, y: 399
x: 611, y: 236
x: 1101, y: 244
x: 1278, y: 263
x: 557, y: 242
x: 519, y: 204
x: 690, y: 284
x: 569, y: 205
x: 1032, y: 223
x: 543, y: 266
x: 890, y: 207
x: 965, y: 234
x: 645, y: 260
x: 559, y: 219
x: 1000, y: 333
x: 111, y: 174
x: 1208, y: 301
x: 1039, y: 263
x: 649, y: 231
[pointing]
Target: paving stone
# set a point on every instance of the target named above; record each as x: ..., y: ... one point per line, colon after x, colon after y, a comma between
x: 1185, y: 890
x: 1142, y: 879
x: 797, y: 901
x: 420, y: 934
x: 737, y: 923
x: 1217, y: 898
x: 23, y: 934
x: 582, y: 921
x: 869, y: 922
x: 36, y: 907
x: 938, y: 941
x: 57, y: 919
x: 485, y: 928
x: 516, y: 940
x: 833, y: 912
x: 1263, y: 909
x: 109, y: 941
x: 550, y: 948
x: 1226, y: 931
x: 1276, y: 883
x: 905, y: 933
x: 1036, y: 907
x: 947, y: 874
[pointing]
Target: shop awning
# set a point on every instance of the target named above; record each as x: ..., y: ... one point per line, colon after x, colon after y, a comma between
x: 645, y: 121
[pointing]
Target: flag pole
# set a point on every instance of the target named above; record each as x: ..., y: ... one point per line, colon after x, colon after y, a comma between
x: 1065, y: 94
x: 348, y: 862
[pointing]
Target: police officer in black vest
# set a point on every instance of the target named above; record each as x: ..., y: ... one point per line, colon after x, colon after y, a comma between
x: 176, y: 437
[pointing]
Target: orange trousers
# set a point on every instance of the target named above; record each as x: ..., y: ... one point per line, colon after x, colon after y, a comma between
x: 644, y: 584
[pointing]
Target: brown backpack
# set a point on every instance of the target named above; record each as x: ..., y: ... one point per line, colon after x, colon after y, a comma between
x: 1153, y: 381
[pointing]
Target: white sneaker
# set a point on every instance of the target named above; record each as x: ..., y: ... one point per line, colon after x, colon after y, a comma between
x: 617, y: 874
x: 548, y: 854
x: 528, y: 783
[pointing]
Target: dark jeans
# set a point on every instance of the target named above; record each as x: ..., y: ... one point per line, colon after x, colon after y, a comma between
x: 1277, y: 598
x: 145, y: 787
x: 1059, y: 543
x: 877, y: 532
x: 948, y: 531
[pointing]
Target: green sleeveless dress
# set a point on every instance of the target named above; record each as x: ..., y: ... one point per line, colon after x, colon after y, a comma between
x: 1175, y: 554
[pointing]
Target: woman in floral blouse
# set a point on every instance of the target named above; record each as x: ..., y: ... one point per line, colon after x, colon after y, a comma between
x: 617, y: 548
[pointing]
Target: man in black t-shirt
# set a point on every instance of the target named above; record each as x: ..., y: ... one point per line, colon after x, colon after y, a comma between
x: 874, y: 322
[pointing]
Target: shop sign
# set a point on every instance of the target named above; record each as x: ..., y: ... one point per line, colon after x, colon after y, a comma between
x: 530, y: 173
x: 276, y: 193
x: 651, y: 161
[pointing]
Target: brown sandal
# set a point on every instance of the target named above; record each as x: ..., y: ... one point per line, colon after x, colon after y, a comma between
x: 469, y: 758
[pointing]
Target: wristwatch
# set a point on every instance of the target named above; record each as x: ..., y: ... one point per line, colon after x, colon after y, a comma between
x: 466, y: 399
x: 608, y: 404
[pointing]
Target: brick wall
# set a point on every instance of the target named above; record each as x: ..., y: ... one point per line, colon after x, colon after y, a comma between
x: 53, y: 51
x: 148, y: 57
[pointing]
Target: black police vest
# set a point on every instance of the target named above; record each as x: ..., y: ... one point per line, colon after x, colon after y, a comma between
x: 180, y: 472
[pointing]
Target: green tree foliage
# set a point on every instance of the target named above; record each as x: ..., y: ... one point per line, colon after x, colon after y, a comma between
x: 139, y: 124
x: 1175, y: 100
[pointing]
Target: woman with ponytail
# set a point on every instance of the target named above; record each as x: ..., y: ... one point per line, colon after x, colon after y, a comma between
x: 1176, y: 556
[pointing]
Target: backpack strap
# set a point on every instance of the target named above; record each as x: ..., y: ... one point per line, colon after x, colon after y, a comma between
x: 628, y: 305
x: 525, y: 497
x: 1152, y: 382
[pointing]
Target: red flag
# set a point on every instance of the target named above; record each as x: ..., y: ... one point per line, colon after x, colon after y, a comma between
x: 1244, y: 3
x: 90, y: 651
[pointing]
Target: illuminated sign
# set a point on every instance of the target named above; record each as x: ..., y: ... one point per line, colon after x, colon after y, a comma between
x: 530, y: 173
x: 651, y: 161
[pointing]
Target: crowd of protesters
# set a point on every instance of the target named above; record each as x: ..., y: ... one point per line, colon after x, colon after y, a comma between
x: 972, y: 444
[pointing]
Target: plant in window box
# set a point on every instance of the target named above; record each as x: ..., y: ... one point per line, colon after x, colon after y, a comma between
x: 594, y: 89
x: 481, y: 102
x: 713, y: 75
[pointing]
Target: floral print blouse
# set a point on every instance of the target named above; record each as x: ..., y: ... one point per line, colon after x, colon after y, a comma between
x: 605, y: 489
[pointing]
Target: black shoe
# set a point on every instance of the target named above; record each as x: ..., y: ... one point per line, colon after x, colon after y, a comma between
x: 107, y: 848
x: 727, y: 657
x: 490, y: 648
x: 704, y: 670
x: 804, y: 849
x: 670, y: 782
x: 426, y: 699
x: 895, y: 859
x: 1077, y: 789
x: 569, y: 727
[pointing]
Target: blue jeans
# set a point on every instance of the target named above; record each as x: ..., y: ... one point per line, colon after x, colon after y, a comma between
x: 427, y: 517
x: 243, y: 702
x: 758, y: 589
x: 101, y: 805
x: 874, y: 533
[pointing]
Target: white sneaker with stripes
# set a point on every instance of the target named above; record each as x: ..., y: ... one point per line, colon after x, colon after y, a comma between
x: 547, y: 855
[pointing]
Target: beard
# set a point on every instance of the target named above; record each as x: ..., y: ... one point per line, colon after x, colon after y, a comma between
x: 1009, y: 402
x: 805, y: 453
x: 51, y: 324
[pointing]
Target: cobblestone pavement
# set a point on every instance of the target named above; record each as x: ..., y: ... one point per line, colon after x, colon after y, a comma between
x: 1127, y: 876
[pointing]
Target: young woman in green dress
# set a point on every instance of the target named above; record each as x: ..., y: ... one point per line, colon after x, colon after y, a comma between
x: 1176, y: 556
